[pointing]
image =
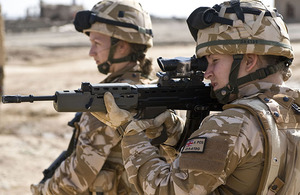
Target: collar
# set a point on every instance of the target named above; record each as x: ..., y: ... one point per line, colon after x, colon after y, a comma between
x: 265, y: 87
x: 121, y: 74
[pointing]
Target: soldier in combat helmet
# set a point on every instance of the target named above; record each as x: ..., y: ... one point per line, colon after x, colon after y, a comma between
x: 253, y: 145
x: 120, y: 33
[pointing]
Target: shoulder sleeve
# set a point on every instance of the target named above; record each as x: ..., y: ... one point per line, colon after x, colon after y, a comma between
x: 232, y: 149
x: 79, y: 170
x: 210, y: 144
x: 215, y: 151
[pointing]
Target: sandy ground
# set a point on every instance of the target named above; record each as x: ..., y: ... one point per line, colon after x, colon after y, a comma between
x: 33, y: 135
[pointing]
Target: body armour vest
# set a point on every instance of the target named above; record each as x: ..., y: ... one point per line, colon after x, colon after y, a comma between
x: 279, y: 119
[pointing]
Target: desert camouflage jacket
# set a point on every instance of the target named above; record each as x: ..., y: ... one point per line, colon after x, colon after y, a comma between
x: 224, y: 156
x: 96, y: 164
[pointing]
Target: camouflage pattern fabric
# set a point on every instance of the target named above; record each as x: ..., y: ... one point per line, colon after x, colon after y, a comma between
x: 128, y: 11
x: 125, y: 123
x: 96, y: 164
x: 278, y: 114
x: 259, y: 34
x: 173, y: 125
x: 224, y: 156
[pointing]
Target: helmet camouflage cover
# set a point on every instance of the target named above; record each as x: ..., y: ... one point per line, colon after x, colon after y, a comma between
x: 127, y: 11
x: 260, y: 31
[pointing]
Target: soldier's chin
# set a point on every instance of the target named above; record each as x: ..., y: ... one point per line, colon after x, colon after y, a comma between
x: 216, y: 87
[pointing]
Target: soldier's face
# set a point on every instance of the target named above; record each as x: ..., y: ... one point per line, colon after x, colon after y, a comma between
x: 100, y: 46
x: 218, y: 70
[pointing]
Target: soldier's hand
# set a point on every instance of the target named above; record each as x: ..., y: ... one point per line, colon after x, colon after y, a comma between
x: 114, y: 117
x: 173, y: 124
x: 120, y: 119
x: 123, y: 121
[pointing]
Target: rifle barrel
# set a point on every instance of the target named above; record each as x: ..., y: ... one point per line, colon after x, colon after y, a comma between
x: 29, y: 98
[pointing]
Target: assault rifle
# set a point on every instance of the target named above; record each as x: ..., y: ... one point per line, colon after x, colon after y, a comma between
x: 180, y: 86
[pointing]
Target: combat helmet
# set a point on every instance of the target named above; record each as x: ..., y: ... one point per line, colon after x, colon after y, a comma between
x: 236, y: 28
x: 120, y: 19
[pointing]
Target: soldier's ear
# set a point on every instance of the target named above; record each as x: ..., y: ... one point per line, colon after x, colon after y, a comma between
x: 251, y: 62
x: 123, y: 47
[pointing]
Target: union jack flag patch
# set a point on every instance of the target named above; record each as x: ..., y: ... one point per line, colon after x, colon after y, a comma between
x: 194, y: 145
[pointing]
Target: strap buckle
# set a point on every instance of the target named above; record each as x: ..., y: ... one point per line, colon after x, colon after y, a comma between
x: 235, y: 4
x: 121, y: 129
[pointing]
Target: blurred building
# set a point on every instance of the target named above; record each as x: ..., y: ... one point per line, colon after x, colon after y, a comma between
x: 59, y: 12
x: 49, y: 15
x: 289, y: 9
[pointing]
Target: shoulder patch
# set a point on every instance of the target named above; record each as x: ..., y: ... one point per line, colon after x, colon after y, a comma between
x: 194, y: 145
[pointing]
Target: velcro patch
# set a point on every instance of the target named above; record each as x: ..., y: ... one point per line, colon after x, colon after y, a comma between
x: 194, y: 145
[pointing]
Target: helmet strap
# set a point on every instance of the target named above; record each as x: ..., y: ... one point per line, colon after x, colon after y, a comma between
x: 235, y: 4
x: 224, y: 93
x: 104, y: 67
x: 264, y: 72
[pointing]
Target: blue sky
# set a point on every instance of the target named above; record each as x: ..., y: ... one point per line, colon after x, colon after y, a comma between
x: 163, y: 8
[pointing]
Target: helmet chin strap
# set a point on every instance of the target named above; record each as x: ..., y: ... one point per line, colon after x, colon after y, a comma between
x: 264, y: 72
x: 224, y: 93
x: 105, y: 66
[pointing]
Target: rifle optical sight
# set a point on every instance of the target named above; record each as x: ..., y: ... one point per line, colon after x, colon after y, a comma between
x: 182, y: 64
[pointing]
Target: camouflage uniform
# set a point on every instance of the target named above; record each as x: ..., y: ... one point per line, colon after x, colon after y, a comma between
x: 224, y: 156
x: 278, y: 116
x: 96, y: 164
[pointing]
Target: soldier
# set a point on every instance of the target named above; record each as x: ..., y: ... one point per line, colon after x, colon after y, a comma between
x: 252, y: 146
x: 120, y: 35
x: 2, y: 52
